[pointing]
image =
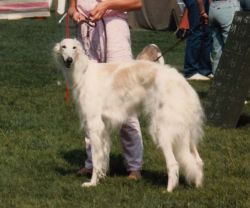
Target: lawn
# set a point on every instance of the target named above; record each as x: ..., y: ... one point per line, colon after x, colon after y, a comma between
x: 42, y: 146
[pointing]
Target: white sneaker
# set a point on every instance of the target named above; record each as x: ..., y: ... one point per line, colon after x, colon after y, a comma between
x: 211, y: 76
x: 198, y: 76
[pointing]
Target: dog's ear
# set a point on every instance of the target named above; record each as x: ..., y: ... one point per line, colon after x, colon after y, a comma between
x: 56, y: 48
x: 56, y: 54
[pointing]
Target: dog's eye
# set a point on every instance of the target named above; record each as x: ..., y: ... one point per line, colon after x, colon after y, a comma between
x: 64, y: 46
x: 74, y: 47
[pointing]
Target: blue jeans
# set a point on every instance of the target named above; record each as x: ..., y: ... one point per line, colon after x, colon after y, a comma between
x: 245, y: 5
x: 198, y: 44
x: 221, y: 14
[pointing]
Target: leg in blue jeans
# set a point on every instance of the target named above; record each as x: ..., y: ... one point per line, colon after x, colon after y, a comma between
x: 221, y: 15
x: 198, y: 45
x: 245, y: 4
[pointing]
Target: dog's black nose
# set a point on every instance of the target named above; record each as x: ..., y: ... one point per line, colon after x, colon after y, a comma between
x: 69, y: 60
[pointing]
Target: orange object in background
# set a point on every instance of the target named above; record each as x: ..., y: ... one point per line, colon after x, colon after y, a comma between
x: 183, y: 29
x: 184, y: 23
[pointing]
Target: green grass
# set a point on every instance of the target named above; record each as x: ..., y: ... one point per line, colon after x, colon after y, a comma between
x: 42, y: 145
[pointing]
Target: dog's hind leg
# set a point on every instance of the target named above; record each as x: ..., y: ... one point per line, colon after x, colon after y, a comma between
x: 99, y: 149
x: 172, y: 164
x: 196, y: 155
x: 187, y: 159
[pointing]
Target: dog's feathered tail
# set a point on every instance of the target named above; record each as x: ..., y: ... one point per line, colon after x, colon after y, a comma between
x: 191, y: 164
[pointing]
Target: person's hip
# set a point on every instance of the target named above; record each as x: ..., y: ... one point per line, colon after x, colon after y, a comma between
x: 235, y: 4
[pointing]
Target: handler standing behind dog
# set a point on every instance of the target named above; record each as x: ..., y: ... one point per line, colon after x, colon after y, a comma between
x: 109, y: 41
x: 221, y: 14
x: 197, y: 64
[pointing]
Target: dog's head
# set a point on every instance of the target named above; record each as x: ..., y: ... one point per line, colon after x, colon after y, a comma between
x: 67, y: 50
x: 151, y: 52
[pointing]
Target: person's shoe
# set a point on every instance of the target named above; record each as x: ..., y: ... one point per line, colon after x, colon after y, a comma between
x: 84, y: 171
x: 198, y: 76
x: 211, y: 76
x: 134, y: 175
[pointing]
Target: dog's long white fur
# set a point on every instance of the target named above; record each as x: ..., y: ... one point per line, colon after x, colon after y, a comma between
x: 107, y: 94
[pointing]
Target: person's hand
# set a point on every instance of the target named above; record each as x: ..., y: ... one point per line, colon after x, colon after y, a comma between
x: 76, y: 16
x: 71, y: 11
x: 182, y: 33
x: 98, y: 12
x: 204, y: 18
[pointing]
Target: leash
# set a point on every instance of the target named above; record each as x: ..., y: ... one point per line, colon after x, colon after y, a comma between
x: 67, y: 29
x: 105, y: 40
x: 169, y: 49
x: 184, y: 37
x: 89, y: 22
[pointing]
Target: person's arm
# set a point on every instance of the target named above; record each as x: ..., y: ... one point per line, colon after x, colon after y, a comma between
x: 201, y: 7
x: 203, y: 14
x: 72, y: 7
x: 120, y: 5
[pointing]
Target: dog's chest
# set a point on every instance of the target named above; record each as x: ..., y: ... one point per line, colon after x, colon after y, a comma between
x: 92, y: 94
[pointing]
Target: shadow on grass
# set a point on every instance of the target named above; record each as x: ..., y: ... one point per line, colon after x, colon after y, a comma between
x: 117, y: 168
x: 77, y: 157
x: 160, y: 179
x: 74, y: 157
x: 66, y: 171
x: 155, y: 178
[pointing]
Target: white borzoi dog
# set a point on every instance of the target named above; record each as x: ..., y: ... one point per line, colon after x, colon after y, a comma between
x: 108, y: 93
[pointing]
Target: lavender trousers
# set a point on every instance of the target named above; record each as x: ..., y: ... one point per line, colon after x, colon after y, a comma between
x: 113, y: 46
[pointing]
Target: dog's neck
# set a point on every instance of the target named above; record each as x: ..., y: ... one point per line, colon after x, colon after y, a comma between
x: 79, y: 68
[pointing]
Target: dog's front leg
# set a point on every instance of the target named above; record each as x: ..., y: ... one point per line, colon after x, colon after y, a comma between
x: 97, y: 132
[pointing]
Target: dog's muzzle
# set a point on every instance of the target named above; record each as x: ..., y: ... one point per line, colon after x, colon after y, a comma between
x: 68, y: 62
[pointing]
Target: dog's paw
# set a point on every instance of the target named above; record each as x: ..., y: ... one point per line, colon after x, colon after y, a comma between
x: 172, y: 183
x: 88, y: 184
x: 199, y: 180
x: 173, y: 178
